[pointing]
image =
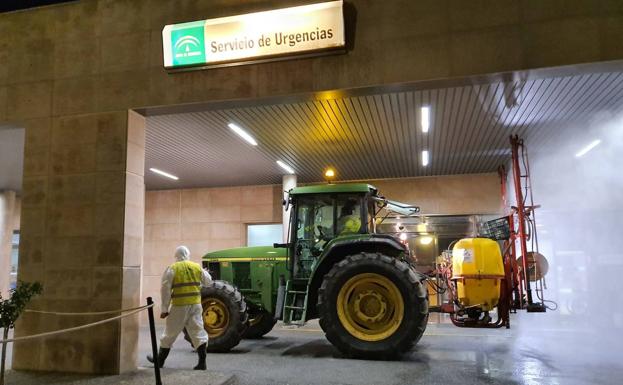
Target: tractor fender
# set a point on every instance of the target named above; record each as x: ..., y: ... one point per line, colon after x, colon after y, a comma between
x: 340, y: 248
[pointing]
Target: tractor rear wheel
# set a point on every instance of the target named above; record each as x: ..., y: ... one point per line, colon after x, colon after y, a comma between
x: 373, y: 306
x: 224, y: 315
x: 259, y: 324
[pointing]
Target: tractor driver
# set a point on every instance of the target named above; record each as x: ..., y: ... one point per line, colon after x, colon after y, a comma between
x: 349, y: 221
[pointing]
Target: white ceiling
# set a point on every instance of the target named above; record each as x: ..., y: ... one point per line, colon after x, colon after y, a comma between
x: 375, y: 134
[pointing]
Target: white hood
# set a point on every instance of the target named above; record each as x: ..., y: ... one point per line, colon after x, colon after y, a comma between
x: 182, y: 253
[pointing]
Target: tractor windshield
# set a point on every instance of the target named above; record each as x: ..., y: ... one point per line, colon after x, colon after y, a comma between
x: 314, y: 228
x: 319, y: 219
x: 315, y: 219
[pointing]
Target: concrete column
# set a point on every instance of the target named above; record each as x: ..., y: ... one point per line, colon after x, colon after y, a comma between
x: 82, y: 238
x: 289, y: 182
x: 7, y: 207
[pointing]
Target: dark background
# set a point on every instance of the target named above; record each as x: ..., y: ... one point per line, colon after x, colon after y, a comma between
x: 13, y: 5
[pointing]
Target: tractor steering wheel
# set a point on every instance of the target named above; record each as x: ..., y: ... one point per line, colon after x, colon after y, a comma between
x: 323, y: 236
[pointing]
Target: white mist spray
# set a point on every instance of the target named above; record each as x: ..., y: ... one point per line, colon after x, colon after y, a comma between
x: 577, y: 179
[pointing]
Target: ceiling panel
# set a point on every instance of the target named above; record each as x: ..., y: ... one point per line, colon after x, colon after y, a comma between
x: 375, y: 135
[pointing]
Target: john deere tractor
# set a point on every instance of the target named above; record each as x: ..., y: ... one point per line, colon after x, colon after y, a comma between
x: 363, y: 287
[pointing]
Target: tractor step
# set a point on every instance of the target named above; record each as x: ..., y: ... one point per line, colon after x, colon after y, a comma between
x: 295, y: 308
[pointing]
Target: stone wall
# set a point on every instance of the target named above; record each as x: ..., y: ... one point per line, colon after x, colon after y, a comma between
x: 82, y: 237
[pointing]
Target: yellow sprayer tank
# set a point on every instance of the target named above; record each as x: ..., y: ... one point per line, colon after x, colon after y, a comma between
x: 478, y: 269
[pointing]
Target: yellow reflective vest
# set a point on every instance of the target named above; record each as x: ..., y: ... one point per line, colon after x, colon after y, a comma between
x: 348, y: 224
x: 186, y: 288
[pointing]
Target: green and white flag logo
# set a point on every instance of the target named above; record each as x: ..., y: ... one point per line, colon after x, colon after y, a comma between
x: 188, y: 45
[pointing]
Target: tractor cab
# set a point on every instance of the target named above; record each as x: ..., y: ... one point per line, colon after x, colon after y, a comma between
x: 323, y: 214
x: 318, y: 219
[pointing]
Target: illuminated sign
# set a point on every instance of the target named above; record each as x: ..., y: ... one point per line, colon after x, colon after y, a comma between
x: 260, y: 36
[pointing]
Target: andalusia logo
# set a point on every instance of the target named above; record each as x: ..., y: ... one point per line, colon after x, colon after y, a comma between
x: 188, y: 46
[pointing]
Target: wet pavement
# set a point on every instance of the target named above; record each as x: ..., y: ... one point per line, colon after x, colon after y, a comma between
x: 143, y: 376
x: 538, y: 349
x: 530, y: 353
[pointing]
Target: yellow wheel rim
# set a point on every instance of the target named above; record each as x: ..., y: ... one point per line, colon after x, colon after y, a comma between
x: 215, y: 316
x: 370, y: 307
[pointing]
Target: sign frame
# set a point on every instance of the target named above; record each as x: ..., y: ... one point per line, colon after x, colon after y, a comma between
x: 324, y: 51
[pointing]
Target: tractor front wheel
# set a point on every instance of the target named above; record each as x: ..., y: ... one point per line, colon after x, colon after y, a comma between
x: 224, y: 315
x: 373, y: 306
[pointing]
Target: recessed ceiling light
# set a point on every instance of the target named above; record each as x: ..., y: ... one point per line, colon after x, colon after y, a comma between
x: 425, y: 158
x: 242, y: 133
x: 329, y: 173
x: 284, y: 166
x: 163, y: 173
x: 586, y: 149
x: 425, y: 118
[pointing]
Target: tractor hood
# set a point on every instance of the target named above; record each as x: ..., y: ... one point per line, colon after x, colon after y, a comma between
x: 258, y: 253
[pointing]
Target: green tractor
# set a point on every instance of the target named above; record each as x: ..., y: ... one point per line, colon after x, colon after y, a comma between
x: 363, y: 286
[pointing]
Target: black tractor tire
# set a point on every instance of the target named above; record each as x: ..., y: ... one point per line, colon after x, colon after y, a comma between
x: 259, y: 325
x: 412, y: 288
x: 236, y: 308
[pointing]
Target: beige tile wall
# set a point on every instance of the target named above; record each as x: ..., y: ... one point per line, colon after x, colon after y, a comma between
x: 205, y: 220
x: 448, y: 194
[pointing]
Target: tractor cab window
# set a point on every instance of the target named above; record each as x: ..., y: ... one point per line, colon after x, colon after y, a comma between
x: 314, y: 228
x: 373, y: 210
x: 322, y: 218
x: 315, y: 219
x: 319, y: 219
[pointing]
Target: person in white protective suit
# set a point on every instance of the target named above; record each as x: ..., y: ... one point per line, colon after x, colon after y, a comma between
x: 181, y: 306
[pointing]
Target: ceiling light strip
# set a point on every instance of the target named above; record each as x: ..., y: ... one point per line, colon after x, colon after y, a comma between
x: 425, y: 118
x: 284, y: 166
x: 163, y: 173
x: 586, y: 149
x: 242, y: 133
x: 425, y: 158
